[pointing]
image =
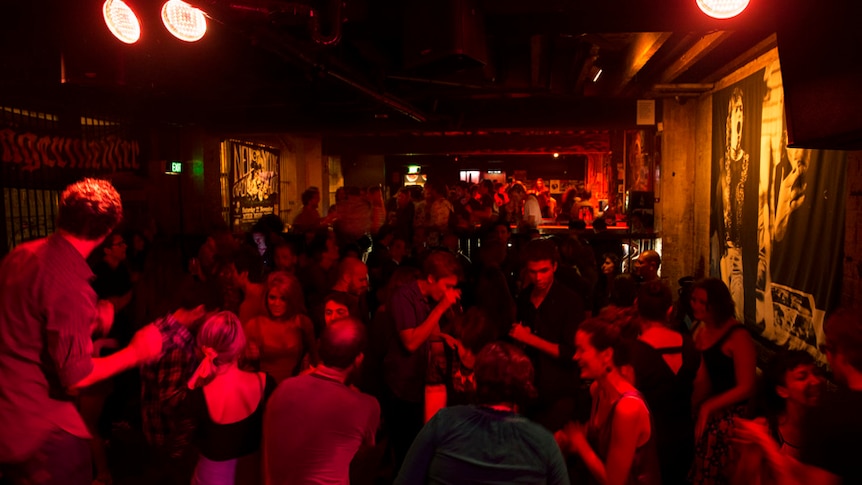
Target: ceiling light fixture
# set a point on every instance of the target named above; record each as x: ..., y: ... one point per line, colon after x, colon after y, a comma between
x: 121, y: 21
x: 595, y: 73
x: 722, y: 9
x: 184, y: 21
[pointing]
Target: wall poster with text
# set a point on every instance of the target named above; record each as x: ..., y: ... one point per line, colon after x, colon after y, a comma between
x: 253, y: 182
x: 777, y: 219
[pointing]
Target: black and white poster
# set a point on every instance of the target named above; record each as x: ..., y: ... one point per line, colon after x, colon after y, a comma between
x: 777, y: 223
x: 736, y: 116
x: 253, y: 182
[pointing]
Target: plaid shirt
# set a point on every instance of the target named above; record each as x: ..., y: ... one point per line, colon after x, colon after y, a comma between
x: 164, y: 386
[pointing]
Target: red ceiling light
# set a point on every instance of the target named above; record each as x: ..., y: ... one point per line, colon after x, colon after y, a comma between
x: 722, y: 9
x: 121, y: 21
x: 184, y: 21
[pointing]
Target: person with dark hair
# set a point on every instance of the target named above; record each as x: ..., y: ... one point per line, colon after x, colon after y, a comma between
x: 665, y: 363
x: 286, y: 255
x: 164, y: 384
x: 336, y: 306
x: 829, y: 441
x: 482, y: 206
x: 226, y: 404
x: 617, y: 445
x: 314, y: 424
x: 789, y: 388
x: 405, y: 212
x: 244, y: 271
x: 416, y: 310
x: 449, y: 379
x: 47, y: 307
x: 308, y: 220
x: 438, y: 206
x: 353, y: 282
x: 354, y: 217
x: 725, y: 380
x: 549, y: 314
x: 488, y: 442
x: 609, y: 269
x: 321, y: 272
x: 621, y: 306
x: 523, y: 208
x: 493, y: 295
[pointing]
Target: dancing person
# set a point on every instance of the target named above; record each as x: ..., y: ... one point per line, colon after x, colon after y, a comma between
x: 279, y: 340
x: 829, y: 443
x: 790, y: 387
x: 549, y: 315
x: 617, y: 445
x: 226, y: 403
x: 665, y: 363
x: 47, y: 307
x: 314, y: 424
x: 488, y: 442
x: 724, y: 382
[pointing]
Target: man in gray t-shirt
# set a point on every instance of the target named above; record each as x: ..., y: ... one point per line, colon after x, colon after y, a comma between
x: 314, y: 424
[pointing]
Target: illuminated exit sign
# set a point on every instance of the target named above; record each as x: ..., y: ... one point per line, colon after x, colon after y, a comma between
x: 174, y: 167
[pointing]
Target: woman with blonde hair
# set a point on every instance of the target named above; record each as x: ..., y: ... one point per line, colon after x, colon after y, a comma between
x: 278, y: 340
x: 227, y: 404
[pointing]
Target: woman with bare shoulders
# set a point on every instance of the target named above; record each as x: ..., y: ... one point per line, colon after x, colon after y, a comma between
x: 279, y: 340
x: 724, y: 382
x: 227, y: 404
x: 617, y: 445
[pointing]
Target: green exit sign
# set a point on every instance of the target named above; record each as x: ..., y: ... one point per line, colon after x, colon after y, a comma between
x: 174, y: 167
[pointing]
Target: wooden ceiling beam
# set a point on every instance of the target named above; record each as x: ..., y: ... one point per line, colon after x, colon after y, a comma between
x: 696, y: 52
x: 642, y: 48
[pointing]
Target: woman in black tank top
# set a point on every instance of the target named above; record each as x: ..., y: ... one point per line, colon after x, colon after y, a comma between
x: 725, y: 380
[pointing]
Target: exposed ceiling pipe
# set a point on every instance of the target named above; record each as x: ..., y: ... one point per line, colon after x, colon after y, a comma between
x: 293, y: 8
x: 277, y: 44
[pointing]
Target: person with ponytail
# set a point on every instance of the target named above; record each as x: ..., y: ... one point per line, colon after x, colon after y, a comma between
x: 227, y: 404
x: 617, y: 445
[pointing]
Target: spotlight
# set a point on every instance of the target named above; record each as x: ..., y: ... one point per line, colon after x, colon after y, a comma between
x: 556, y: 155
x: 184, y: 21
x: 121, y: 21
x: 722, y: 9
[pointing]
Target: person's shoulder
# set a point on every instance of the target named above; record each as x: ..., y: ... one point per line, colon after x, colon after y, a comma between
x: 565, y: 294
x: 408, y: 291
x: 289, y: 388
x: 631, y: 405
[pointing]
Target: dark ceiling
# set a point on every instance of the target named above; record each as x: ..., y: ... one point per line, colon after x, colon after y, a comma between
x: 378, y: 65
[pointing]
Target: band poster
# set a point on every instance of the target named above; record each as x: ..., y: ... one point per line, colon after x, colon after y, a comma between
x: 777, y: 217
x: 253, y: 182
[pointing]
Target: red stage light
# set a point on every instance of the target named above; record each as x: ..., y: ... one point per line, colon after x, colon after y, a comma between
x: 121, y: 21
x: 722, y: 9
x: 184, y: 21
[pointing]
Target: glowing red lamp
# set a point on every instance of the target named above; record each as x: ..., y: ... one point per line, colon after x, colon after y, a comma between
x: 722, y: 9
x: 121, y: 21
x: 183, y: 21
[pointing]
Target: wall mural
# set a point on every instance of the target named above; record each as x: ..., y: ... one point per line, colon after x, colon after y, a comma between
x: 777, y: 219
x: 253, y: 182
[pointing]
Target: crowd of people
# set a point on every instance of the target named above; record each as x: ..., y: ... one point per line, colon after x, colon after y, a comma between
x: 365, y: 346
